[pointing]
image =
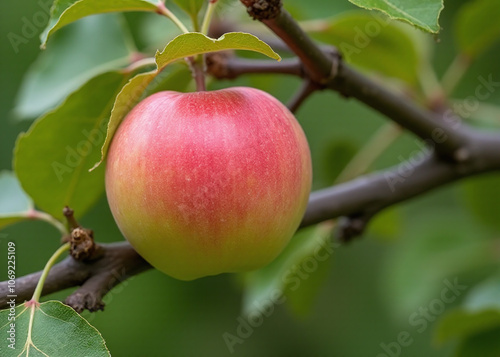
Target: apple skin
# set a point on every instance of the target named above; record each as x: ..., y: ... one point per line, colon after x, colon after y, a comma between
x: 208, y: 182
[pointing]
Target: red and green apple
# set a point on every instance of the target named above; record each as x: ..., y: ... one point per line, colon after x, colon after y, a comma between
x: 208, y: 182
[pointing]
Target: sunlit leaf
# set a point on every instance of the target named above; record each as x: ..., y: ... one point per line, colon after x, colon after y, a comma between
x: 194, y: 43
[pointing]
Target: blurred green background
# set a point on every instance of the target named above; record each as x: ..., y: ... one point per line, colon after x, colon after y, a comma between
x: 373, y: 285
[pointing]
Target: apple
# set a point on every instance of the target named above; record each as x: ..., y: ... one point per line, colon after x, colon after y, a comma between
x: 208, y: 182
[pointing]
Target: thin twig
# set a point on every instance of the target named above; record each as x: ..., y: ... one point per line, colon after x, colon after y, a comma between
x: 306, y: 89
x: 197, y: 71
x: 223, y: 65
x: 328, y: 69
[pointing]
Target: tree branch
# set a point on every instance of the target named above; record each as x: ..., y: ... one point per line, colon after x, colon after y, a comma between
x: 362, y: 198
x: 308, y: 87
x: 379, y: 190
x: 359, y: 200
x: 427, y: 125
x: 116, y: 263
x: 221, y: 65
x: 327, y: 69
x: 270, y: 12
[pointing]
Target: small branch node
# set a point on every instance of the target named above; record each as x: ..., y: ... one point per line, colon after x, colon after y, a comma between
x: 263, y: 9
x: 461, y: 155
x: 217, y: 65
x: 82, y: 242
x: 69, y: 214
x: 351, y: 227
x: 336, y: 57
x: 308, y: 87
x: 85, y: 301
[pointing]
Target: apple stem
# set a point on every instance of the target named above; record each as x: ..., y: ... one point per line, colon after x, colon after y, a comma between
x: 198, y: 72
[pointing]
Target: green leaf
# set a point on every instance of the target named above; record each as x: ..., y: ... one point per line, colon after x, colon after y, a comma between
x: 302, y: 299
x: 480, y: 312
x: 299, y: 270
x: 14, y: 203
x: 372, y: 42
x: 71, y: 60
x: 486, y: 116
x: 477, y: 27
x: 154, y: 31
x: 335, y: 158
x: 461, y: 323
x: 482, y: 195
x: 64, y: 12
x: 386, y: 226
x: 176, y: 77
x: 449, y: 244
x: 52, y: 159
x: 423, y: 14
x: 192, y: 7
x: 144, y: 84
x: 194, y: 43
x: 485, y: 295
x: 486, y: 344
x: 57, y: 331
x: 129, y: 96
